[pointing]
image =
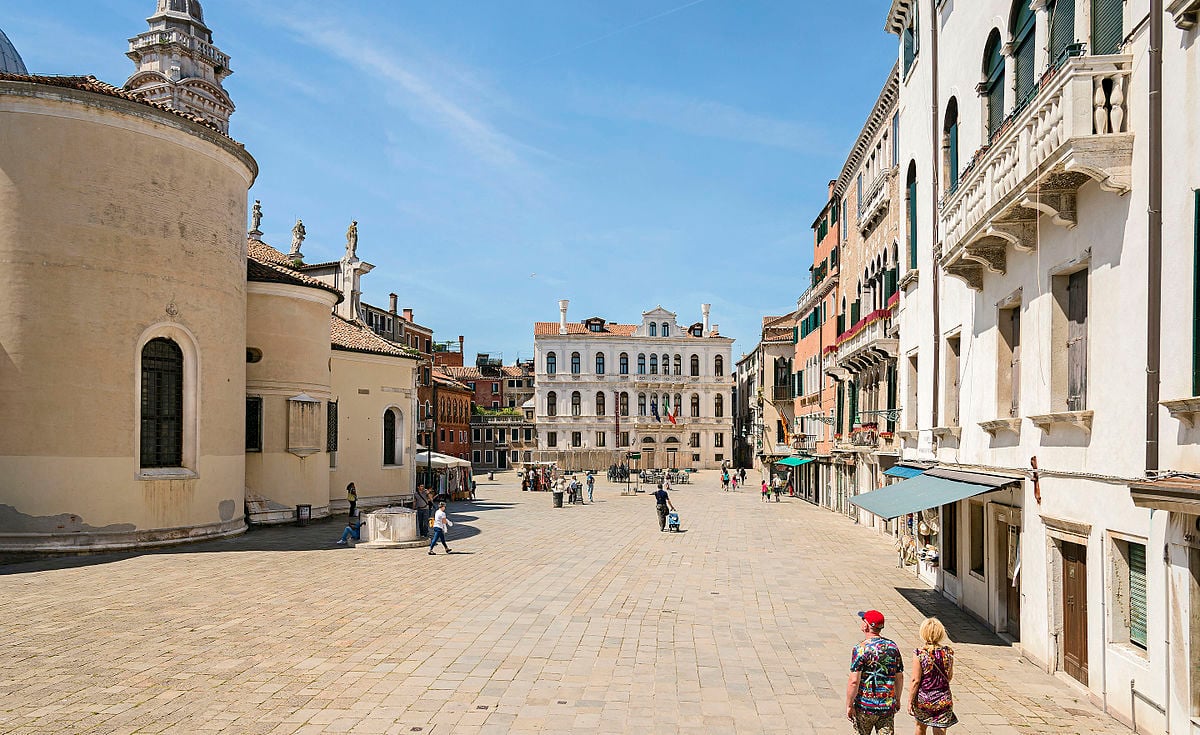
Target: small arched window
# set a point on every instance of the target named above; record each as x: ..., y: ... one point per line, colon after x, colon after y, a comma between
x: 574, y: 363
x: 678, y: 404
x: 695, y: 405
x: 654, y: 364
x: 695, y: 364
x: 641, y: 404
x: 993, y: 82
x: 950, y: 146
x: 624, y: 364
x: 162, y: 404
x: 624, y: 404
x: 599, y: 363
x: 719, y: 406
x: 551, y: 363
x: 599, y: 403
x: 911, y: 201
x: 393, y: 437
x: 666, y: 329
x: 641, y: 364
x: 719, y: 365
x: 551, y: 404
x: 576, y: 404
x: 678, y: 365
x: 653, y: 329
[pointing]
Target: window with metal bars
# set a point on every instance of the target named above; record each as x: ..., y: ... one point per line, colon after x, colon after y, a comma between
x: 162, y: 404
x: 331, y: 431
x: 254, y: 422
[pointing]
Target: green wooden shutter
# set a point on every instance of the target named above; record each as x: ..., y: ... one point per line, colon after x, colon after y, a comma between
x: 912, y: 224
x: 910, y: 49
x: 953, y: 135
x: 1196, y: 293
x: 853, y: 391
x: 994, y: 86
x: 891, y: 395
x: 1107, y: 26
x: 1062, y: 29
x: 841, y: 397
x: 1023, y: 57
x: 1137, y: 594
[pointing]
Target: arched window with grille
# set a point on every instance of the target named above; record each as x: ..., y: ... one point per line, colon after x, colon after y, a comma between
x: 1020, y: 26
x: 576, y: 404
x: 551, y: 363
x: 624, y: 363
x: 599, y: 403
x: 624, y: 404
x: 695, y: 365
x: 162, y: 404
x: 695, y: 405
x: 574, y: 363
x: 551, y: 404
x: 654, y: 364
x: 719, y: 406
x: 599, y: 363
x: 993, y: 83
x: 641, y: 404
x: 719, y: 365
x: 641, y: 364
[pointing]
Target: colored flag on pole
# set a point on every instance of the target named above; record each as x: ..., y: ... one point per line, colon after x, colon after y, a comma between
x: 654, y: 409
x: 670, y: 411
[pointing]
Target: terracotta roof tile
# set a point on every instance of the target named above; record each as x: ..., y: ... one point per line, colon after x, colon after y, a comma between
x: 90, y: 83
x: 442, y: 379
x: 466, y: 372
x: 546, y: 329
x: 263, y: 264
x: 356, y: 337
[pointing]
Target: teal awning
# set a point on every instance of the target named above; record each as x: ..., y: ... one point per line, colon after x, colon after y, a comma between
x: 928, y: 490
x: 795, y: 461
x: 903, y: 471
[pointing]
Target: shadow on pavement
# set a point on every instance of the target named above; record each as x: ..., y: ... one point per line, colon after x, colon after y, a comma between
x: 960, y: 627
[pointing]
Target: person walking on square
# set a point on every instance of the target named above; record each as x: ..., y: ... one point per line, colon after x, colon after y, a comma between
x: 742, y: 476
x: 591, y: 484
x: 766, y: 491
x: 876, y: 679
x: 441, y: 524
x: 929, y: 700
x: 662, y: 501
x: 422, y: 501
x: 778, y: 488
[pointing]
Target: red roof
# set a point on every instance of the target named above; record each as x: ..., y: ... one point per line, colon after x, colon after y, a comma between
x: 546, y: 329
x: 266, y: 264
x: 356, y: 337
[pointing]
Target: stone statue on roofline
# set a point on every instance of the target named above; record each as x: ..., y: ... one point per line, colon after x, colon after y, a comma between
x: 352, y: 240
x: 298, y: 234
x: 256, y: 219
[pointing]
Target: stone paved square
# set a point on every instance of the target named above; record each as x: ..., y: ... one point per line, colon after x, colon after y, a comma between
x: 584, y: 618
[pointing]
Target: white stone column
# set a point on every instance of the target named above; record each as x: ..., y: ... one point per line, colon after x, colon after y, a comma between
x: 1010, y: 78
x: 1041, y: 37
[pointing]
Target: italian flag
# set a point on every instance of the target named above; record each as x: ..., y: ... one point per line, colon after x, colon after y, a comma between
x: 669, y: 411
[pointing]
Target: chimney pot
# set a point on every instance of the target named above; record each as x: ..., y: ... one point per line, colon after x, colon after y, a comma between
x: 392, y: 302
x: 408, y: 314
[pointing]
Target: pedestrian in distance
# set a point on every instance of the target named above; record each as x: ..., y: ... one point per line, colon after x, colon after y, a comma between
x: 441, y: 524
x: 475, y: 485
x: 791, y: 489
x: 422, y: 502
x: 778, y: 489
x: 591, y: 484
x: 742, y: 475
x: 766, y: 491
x: 352, y: 498
x: 876, y: 679
x: 662, y: 502
x: 353, y: 529
x: 929, y: 700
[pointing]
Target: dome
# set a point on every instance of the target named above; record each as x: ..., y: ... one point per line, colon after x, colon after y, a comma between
x: 10, y: 60
x: 186, y: 7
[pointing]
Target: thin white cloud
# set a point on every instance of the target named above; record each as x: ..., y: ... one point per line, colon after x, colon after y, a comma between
x: 699, y: 117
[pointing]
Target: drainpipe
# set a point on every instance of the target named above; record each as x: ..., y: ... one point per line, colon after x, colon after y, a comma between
x: 1154, y: 284
x: 935, y: 137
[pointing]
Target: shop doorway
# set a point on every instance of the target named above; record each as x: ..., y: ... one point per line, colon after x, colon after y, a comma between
x: 1009, y: 553
x: 1074, y: 600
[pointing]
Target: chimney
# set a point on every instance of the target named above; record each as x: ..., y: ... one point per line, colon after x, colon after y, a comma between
x: 408, y: 315
x: 392, y: 303
x: 562, y: 316
x: 460, y: 344
x: 704, y: 310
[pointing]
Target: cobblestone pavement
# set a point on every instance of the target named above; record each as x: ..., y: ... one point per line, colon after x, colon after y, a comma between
x: 542, y: 620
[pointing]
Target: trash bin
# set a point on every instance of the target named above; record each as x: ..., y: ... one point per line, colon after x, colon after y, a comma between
x: 303, y: 514
x: 558, y: 498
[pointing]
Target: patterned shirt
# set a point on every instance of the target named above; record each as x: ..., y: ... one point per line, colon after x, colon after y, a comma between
x: 878, y: 661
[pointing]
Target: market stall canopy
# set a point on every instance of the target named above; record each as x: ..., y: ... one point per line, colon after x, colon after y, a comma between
x: 930, y: 489
x: 904, y: 471
x: 795, y: 461
x: 440, y: 460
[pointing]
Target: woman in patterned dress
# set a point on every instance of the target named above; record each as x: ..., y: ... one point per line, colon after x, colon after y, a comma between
x: 929, y: 699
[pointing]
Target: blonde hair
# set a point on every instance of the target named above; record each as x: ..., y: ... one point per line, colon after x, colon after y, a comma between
x: 932, y: 632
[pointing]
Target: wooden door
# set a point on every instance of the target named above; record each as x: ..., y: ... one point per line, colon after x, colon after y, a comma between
x: 1077, y: 313
x: 1074, y: 596
x: 1015, y: 366
x: 1012, y: 535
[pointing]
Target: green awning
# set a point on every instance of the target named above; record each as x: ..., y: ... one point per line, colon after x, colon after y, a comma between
x: 795, y: 461
x: 903, y: 471
x: 928, y: 491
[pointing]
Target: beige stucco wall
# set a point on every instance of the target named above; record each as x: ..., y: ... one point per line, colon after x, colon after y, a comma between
x: 118, y: 222
x: 364, y: 387
x: 290, y: 325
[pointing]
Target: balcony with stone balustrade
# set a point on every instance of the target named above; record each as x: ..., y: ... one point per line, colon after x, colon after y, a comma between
x: 863, y: 345
x: 1073, y: 130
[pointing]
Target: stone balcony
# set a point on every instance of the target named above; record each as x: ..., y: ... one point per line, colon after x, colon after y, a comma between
x: 863, y: 345
x: 876, y: 201
x: 1075, y: 129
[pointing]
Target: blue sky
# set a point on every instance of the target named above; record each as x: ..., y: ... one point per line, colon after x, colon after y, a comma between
x: 499, y: 156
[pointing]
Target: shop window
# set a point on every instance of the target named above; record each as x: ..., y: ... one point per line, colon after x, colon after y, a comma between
x: 977, y: 545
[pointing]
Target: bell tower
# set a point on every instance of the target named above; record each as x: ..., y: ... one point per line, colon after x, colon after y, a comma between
x: 178, y: 65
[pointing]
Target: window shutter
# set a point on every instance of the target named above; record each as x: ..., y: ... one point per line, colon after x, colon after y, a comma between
x: 1107, y: 26
x: 795, y: 335
x: 1023, y: 57
x: 995, y: 85
x: 953, y: 135
x: 912, y: 225
x: 1196, y: 293
x: 1062, y: 29
x: 1137, y: 594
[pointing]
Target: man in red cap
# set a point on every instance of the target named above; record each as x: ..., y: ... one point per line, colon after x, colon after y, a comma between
x: 876, y: 679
